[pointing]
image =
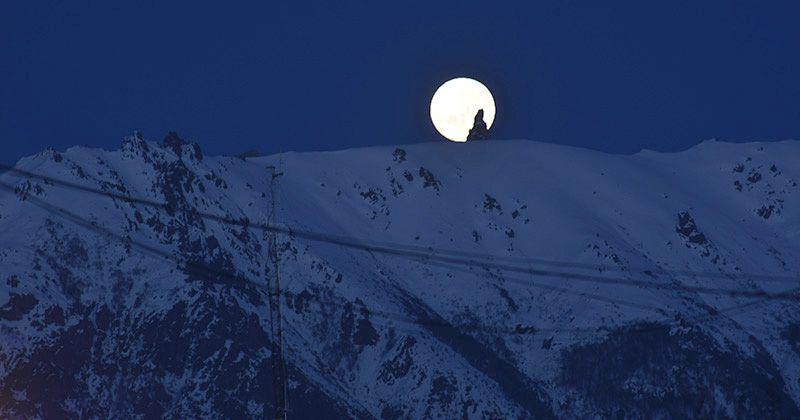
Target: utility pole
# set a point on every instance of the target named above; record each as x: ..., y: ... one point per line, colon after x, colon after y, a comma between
x: 276, y: 319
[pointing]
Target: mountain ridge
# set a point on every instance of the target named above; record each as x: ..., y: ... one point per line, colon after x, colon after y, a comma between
x: 722, y: 207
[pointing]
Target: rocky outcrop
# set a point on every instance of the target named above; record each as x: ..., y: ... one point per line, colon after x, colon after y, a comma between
x: 117, y: 309
x: 479, y: 131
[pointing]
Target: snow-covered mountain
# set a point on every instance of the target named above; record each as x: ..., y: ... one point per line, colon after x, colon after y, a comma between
x: 93, y: 326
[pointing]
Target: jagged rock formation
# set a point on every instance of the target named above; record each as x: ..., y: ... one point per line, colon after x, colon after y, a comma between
x: 93, y: 326
x: 479, y: 131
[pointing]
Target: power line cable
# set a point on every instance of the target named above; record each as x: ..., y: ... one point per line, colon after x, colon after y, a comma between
x: 395, y: 248
x: 199, y: 269
x: 519, y: 329
x: 210, y: 273
x: 237, y: 280
x: 701, y: 318
x: 357, y: 244
x: 545, y: 273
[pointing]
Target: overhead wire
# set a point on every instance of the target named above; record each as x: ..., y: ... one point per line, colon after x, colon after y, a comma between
x: 426, y: 257
x: 196, y: 268
x: 396, y: 248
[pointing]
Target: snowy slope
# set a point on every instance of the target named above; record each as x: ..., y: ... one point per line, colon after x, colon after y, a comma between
x: 91, y: 325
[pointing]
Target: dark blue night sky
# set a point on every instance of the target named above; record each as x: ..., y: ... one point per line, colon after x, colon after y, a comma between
x: 278, y: 76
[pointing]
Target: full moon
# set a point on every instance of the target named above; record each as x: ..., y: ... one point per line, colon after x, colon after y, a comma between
x: 455, y: 104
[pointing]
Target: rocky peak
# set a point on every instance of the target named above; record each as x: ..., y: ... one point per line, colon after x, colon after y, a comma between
x: 479, y: 131
x: 181, y: 147
x: 135, y: 146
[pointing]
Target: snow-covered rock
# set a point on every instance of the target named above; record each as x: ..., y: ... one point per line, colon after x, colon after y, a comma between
x: 92, y: 324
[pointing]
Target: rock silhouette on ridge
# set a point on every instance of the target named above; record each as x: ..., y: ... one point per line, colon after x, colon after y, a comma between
x: 479, y: 131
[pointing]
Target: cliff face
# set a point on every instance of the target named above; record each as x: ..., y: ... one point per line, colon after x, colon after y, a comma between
x: 94, y: 324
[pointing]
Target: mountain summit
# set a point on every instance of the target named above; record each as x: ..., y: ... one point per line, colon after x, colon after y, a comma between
x: 479, y: 131
x: 506, y: 279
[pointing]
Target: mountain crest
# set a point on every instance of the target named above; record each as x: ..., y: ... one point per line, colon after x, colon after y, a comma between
x: 522, y: 280
x: 182, y: 148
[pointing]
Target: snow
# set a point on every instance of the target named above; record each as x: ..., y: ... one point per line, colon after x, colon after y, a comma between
x: 512, y: 199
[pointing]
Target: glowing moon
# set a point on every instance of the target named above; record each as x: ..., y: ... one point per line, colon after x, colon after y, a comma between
x: 455, y: 104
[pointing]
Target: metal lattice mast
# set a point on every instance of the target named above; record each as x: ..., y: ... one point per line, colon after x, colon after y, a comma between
x: 276, y: 320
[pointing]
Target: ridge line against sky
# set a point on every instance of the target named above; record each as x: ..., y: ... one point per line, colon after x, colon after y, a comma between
x: 250, y: 154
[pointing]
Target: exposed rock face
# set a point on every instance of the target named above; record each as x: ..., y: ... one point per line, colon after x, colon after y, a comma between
x: 478, y: 130
x: 182, y: 147
x: 92, y: 326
